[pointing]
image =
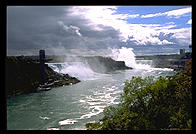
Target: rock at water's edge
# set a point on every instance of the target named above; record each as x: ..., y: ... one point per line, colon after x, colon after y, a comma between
x: 23, y: 76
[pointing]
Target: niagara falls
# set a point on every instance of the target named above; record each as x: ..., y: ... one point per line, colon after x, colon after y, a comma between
x: 98, y: 68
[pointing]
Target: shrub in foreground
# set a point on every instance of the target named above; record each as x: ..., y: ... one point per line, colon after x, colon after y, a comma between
x: 151, y: 104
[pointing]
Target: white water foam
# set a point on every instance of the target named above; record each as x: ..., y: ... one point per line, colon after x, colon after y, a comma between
x: 99, y: 100
x: 99, y: 109
x: 82, y: 101
x: 142, y: 66
x: 67, y: 122
x: 44, y: 118
x: 53, y: 129
x: 79, y: 70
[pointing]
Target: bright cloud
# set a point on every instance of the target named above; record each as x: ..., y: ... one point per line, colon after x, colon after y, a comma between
x: 178, y: 13
x: 189, y: 22
x: 142, y: 34
x: 72, y: 28
x: 98, y: 27
x: 151, y: 15
x: 174, y: 13
x: 181, y: 35
x: 104, y: 16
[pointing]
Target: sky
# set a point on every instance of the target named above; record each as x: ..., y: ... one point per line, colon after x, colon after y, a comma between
x: 94, y: 30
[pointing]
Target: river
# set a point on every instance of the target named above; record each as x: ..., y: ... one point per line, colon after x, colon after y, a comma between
x: 71, y: 107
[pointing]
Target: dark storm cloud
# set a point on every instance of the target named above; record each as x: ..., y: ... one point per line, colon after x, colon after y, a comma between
x: 31, y: 28
x: 57, y: 29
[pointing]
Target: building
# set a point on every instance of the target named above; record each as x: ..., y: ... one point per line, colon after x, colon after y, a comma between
x: 182, y: 52
x: 190, y: 48
x: 42, y: 65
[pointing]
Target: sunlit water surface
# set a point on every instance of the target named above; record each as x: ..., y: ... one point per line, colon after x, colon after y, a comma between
x: 71, y: 107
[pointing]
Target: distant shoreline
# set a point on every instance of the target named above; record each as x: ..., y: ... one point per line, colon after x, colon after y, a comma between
x: 174, y: 61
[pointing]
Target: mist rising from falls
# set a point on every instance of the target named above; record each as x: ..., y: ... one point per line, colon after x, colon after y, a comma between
x: 80, y: 70
x: 127, y: 55
x: 79, y: 67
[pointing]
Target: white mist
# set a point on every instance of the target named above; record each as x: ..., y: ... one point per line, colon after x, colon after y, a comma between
x: 79, y: 70
x: 127, y: 55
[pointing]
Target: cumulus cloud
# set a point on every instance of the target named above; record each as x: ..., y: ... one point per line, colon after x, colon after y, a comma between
x: 101, y: 16
x: 33, y: 28
x: 142, y: 34
x: 72, y: 29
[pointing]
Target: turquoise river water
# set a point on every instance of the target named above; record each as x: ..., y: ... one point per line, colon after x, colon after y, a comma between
x: 71, y: 107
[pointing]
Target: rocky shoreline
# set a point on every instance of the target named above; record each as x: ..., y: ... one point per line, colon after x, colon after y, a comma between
x: 23, y: 76
x: 51, y: 83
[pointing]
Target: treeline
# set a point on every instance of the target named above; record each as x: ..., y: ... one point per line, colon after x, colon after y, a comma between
x: 152, y: 104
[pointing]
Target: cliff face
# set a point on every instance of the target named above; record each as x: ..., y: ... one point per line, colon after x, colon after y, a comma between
x: 98, y: 64
x: 105, y: 64
x: 23, y: 76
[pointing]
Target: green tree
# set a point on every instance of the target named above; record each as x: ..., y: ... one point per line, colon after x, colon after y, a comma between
x: 149, y: 103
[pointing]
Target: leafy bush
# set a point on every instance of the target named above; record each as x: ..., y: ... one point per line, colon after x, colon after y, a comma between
x: 149, y: 103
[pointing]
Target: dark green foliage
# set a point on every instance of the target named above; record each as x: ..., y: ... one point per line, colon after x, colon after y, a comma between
x: 151, y: 104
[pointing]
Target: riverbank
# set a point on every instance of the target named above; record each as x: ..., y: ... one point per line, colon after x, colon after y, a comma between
x: 23, y: 76
x: 71, y: 107
x: 164, y: 103
x: 174, y: 61
x: 98, y: 64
